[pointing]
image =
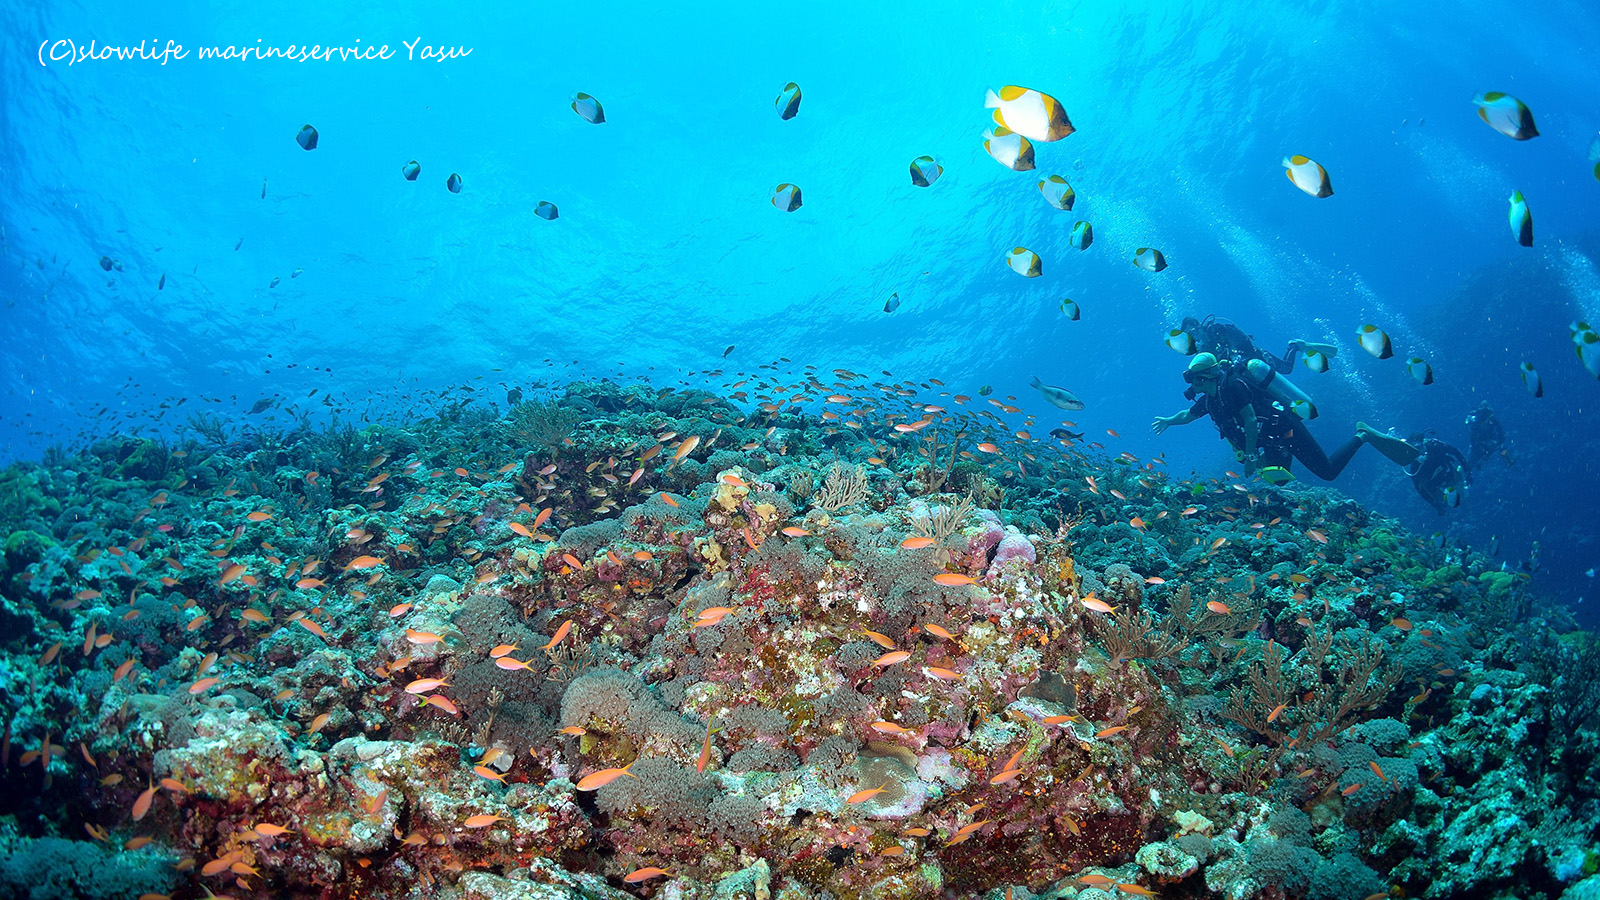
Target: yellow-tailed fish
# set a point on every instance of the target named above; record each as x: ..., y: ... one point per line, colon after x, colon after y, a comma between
x: 925, y: 170
x: 1419, y: 369
x: 1057, y: 192
x: 1028, y: 112
x: 1082, y: 236
x: 1069, y: 308
x: 1374, y: 341
x: 588, y: 107
x: 1316, y: 360
x: 1009, y: 149
x: 1181, y: 341
x: 1024, y: 262
x: 786, y: 197
x: 1308, y: 176
x: 1587, y: 342
x: 788, y: 102
x: 1506, y: 114
x: 1149, y: 259
x: 1531, y: 380
x: 1521, y: 220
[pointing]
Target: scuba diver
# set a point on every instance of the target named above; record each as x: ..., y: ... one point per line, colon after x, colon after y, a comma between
x: 1225, y: 340
x: 1438, y: 471
x: 1486, y: 437
x: 1266, y: 432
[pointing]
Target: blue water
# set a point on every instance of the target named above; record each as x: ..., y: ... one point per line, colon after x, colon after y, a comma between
x: 667, y: 250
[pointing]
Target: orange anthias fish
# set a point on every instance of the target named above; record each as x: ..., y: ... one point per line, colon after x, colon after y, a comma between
x: 442, y: 703
x: 705, y: 751
x: 882, y: 640
x: 953, y: 579
x: 645, y: 874
x: 1098, y: 605
x: 486, y: 772
x: 141, y: 806
x: 596, y: 780
x: 560, y: 633
x: 868, y: 794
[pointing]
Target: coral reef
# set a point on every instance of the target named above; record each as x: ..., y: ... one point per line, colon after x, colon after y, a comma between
x: 875, y: 641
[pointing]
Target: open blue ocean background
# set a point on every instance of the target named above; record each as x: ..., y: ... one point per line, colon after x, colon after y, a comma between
x: 667, y: 250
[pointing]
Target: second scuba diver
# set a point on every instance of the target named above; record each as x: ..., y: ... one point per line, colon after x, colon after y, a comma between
x: 1438, y: 471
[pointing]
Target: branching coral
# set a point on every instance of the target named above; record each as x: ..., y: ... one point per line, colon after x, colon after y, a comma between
x: 1133, y: 633
x: 1297, y: 711
x: 930, y: 448
x: 540, y: 425
x: 844, y: 486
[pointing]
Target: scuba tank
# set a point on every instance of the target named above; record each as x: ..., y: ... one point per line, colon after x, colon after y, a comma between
x: 1280, y: 389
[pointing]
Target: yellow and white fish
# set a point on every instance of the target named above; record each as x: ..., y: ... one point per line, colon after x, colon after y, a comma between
x: 925, y: 170
x: 1521, y: 220
x: 1316, y: 361
x: 1069, y: 308
x: 1531, y: 380
x: 1506, y: 114
x: 1587, y: 342
x: 1024, y: 262
x: 788, y: 102
x: 1029, y: 113
x: 1181, y: 341
x: 1057, y: 192
x: 1009, y: 149
x: 588, y: 107
x: 1374, y: 341
x: 1082, y: 236
x: 1419, y: 369
x: 786, y: 197
x: 1149, y: 259
x: 1308, y: 176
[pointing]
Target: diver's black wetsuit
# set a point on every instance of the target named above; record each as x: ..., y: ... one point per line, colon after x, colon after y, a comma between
x: 1281, y: 437
x: 1284, y: 438
x: 1440, y: 467
x: 1486, y: 436
x: 1226, y: 340
x: 1224, y: 404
